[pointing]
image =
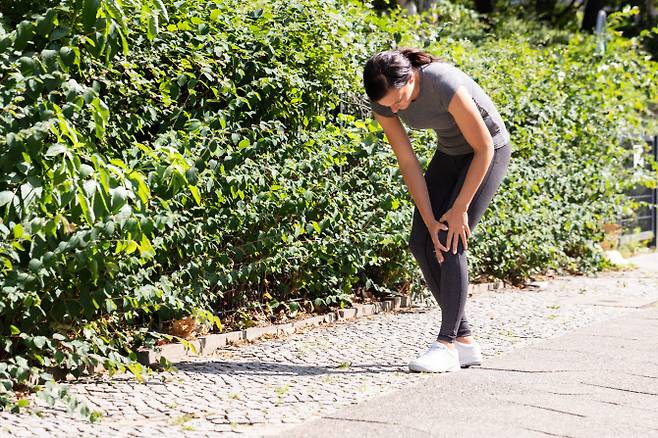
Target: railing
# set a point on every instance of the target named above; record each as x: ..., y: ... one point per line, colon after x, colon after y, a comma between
x: 645, y: 217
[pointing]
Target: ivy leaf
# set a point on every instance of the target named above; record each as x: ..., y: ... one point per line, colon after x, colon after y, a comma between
x: 152, y: 28
x: 6, y: 197
x: 89, y: 13
x: 101, y: 116
x: 18, y: 231
x: 145, y: 248
x: 56, y: 149
x: 161, y: 7
x: 132, y: 247
x: 39, y: 341
x: 84, y: 205
x: 195, y: 194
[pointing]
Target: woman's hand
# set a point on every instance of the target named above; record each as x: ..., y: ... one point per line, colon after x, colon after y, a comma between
x: 457, y: 219
x: 434, y: 229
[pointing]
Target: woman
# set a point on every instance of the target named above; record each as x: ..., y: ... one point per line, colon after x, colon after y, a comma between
x: 471, y: 159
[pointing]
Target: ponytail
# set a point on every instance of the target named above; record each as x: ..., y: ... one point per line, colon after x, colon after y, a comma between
x: 418, y: 57
x: 392, y: 69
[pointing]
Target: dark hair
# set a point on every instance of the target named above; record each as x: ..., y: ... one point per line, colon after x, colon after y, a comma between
x: 392, y: 69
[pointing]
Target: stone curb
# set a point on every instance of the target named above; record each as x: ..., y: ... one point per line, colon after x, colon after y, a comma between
x: 485, y: 287
x: 207, y: 345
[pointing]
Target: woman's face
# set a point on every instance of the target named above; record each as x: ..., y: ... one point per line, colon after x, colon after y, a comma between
x: 399, y: 98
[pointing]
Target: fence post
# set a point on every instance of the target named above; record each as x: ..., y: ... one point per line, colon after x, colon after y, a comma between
x: 601, y: 32
x: 654, y: 194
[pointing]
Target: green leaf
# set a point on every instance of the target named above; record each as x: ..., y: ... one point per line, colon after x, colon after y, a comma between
x: 110, y: 307
x: 162, y: 9
x: 101, y: 116
x: 39, y: 341
x: 14, y: 330
x: 18, y: 231
x: 56, y: 149
x: 6, y: 197
x: 143, y: 191
x: 24, y: 33
x: 67, y: 55
x: 152, y: 28
x: 119, y: 195
x: 132, y: 246
x: 114, y: 10
x: 89, y: 13
x: 84, y: 205
x: 145, y: 248
x: 46, y: 23
x: 124, y: 42
x: 195, y: 194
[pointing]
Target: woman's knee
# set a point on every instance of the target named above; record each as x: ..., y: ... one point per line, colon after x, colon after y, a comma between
x: 417, y: 245
x: 443, y: 237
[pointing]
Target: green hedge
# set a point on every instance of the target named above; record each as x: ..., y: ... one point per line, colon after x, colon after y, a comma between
x: 163, y: 158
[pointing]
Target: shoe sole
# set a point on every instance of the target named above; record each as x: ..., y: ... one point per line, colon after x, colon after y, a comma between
x: 422, y: 370
x: 468, y: 365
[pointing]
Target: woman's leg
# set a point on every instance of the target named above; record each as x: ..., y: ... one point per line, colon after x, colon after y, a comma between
x: 440, y: 177
x: 454, y: 270
x: 449, y: 282
x: 422, y: 248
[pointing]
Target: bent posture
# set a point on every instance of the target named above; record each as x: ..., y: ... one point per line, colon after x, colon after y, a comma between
x: 472, y: 156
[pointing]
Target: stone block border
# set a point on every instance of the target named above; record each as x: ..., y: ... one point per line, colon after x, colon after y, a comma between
x: 207, y: 345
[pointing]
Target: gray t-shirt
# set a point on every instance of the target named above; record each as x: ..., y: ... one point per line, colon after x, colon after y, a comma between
x: 438, y: 83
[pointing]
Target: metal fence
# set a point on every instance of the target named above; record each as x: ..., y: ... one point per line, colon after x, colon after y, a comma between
x: 645, y: 217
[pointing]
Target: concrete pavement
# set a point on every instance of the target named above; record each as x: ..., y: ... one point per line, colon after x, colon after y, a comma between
x: 596, y: 381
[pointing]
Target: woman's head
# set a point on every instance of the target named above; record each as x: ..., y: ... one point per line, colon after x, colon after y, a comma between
x: 388, y: 76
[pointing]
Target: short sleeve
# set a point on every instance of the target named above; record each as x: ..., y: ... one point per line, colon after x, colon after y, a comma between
x: 447, y: 83
x: 381, y: 109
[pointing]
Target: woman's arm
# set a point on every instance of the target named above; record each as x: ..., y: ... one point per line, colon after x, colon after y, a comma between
x: 412, y: 175
x: 472, y: 126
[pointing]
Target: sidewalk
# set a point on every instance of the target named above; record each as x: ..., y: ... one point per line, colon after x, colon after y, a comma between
x: 546, y: 368
x: 598, y: 381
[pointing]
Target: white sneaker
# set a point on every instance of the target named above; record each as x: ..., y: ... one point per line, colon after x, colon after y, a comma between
x: 469, y: 354
x: 439, y: 358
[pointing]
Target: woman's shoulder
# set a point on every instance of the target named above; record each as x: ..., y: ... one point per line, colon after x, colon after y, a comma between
x: 441, y: 69
x: 444, y: 80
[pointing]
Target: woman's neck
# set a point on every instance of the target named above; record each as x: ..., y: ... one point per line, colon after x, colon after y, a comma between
x: 417, y: 78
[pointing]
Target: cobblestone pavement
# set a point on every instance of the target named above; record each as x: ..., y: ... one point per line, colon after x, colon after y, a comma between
x: 259, y: 389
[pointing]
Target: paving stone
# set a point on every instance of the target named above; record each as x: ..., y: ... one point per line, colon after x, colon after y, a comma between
x: 285, y: 329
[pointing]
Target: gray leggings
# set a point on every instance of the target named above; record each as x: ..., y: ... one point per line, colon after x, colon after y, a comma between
x: 449, y: 281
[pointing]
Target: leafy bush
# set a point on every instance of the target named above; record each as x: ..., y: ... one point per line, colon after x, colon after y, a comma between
x: 173, y: 158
